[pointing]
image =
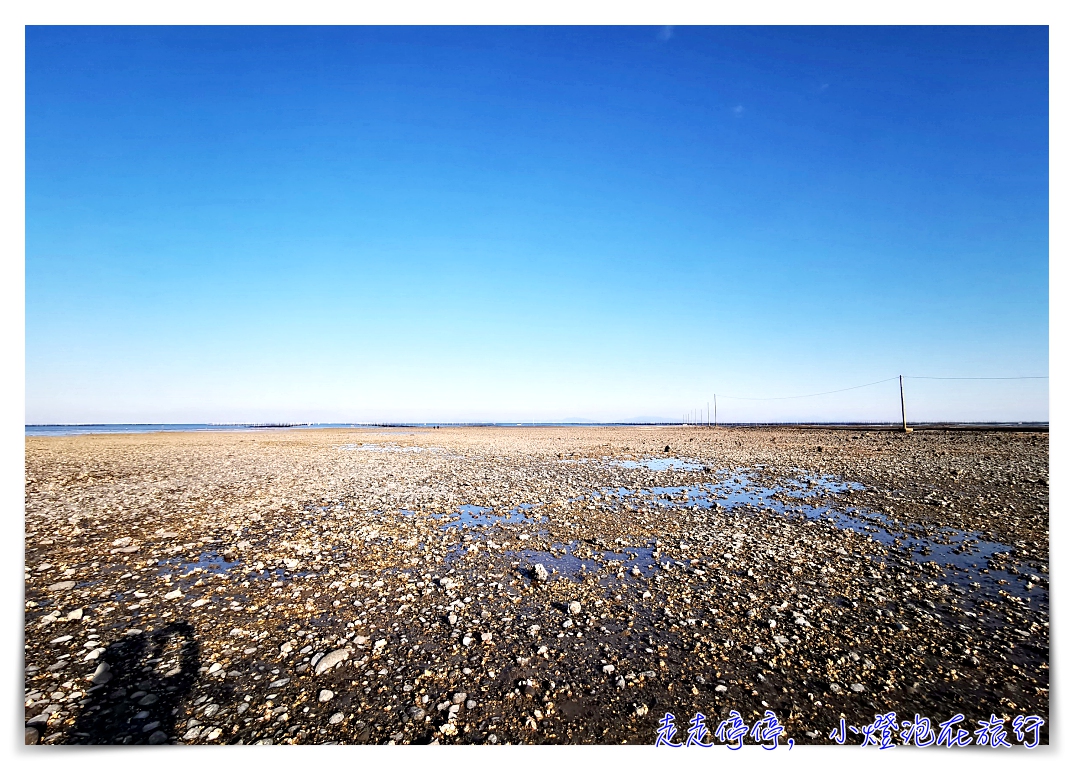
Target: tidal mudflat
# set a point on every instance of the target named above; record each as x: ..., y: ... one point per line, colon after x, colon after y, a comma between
x: 530, y: 585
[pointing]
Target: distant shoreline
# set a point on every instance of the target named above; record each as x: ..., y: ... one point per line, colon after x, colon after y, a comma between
x: 99, y: 429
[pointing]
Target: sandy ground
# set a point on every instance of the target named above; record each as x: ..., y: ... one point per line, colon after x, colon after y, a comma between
x: 531, y: 585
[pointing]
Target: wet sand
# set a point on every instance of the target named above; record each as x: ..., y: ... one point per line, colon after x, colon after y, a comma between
x: 530, y: 585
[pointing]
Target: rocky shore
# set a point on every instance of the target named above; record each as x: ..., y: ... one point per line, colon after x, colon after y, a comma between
x: 530, y: 585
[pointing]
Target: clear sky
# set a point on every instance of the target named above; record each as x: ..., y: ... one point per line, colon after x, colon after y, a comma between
x: 253, y: 224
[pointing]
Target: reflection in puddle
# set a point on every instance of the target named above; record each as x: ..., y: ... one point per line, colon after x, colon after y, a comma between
x: 477, y: 516
x: 964, y: 558
x: 385, y: 448
x: 660, y: 464
x: 576, y: 559
x: 208, y: 561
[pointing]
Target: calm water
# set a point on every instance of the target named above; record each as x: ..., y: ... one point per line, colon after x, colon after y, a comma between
x: 79, y: 430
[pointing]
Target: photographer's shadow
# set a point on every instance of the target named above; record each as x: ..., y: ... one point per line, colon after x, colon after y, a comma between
x: 142, y: 681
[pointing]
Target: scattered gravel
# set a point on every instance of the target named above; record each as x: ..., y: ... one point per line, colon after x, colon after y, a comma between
x: 277, y: 587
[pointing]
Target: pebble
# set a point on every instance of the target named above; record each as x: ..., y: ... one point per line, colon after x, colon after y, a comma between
x: 63, y: 585
x: 325, y: 695
x: 102, y: 674
x: 329, y: 661
x: 336, y: 718
x: 241, y: 504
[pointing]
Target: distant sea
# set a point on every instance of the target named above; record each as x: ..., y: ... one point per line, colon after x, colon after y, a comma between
x: 82, y: 430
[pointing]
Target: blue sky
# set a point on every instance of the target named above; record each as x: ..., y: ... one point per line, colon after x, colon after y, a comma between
x: 232, y: 224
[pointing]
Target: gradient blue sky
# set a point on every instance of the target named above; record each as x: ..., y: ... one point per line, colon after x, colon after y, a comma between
x: 235, y: 224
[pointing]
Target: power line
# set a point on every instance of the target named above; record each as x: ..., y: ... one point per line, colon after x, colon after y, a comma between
x: 878, y: 382
x: 1030, y: 377
x: 807, y: 395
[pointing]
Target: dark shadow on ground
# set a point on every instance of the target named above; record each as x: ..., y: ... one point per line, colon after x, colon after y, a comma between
x: 135, y: 699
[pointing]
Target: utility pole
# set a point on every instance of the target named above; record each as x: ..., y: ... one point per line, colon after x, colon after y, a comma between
x: 902, y: 401
x: 713, y: 410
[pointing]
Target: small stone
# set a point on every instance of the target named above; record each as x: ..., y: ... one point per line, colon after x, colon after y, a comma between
x: 330, y: 660
x: 325, y: 695
x: 417, y: 713
x: 574, y: 608
x: 75, y: 614
x: 280, y: 682
x: 609, y: 669
x: 540, y: 573
x: 102, y: 674
x: 452, y: 618
x: 213, y: 734
x: 641, y: 710
x: 160, y: 737
x: 32, y: 736
x: 458, y: 697
x: 176, y: 594
x: 150, y: 726
x: 149, y: 700
x: 336, y: 718
x: 857, y: 687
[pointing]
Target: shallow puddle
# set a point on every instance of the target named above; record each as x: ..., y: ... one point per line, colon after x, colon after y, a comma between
x: 470, y: 516
x: 384, y: 448
x: 967, y: 560
x: 660, y: 464
x: 208, y: 561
